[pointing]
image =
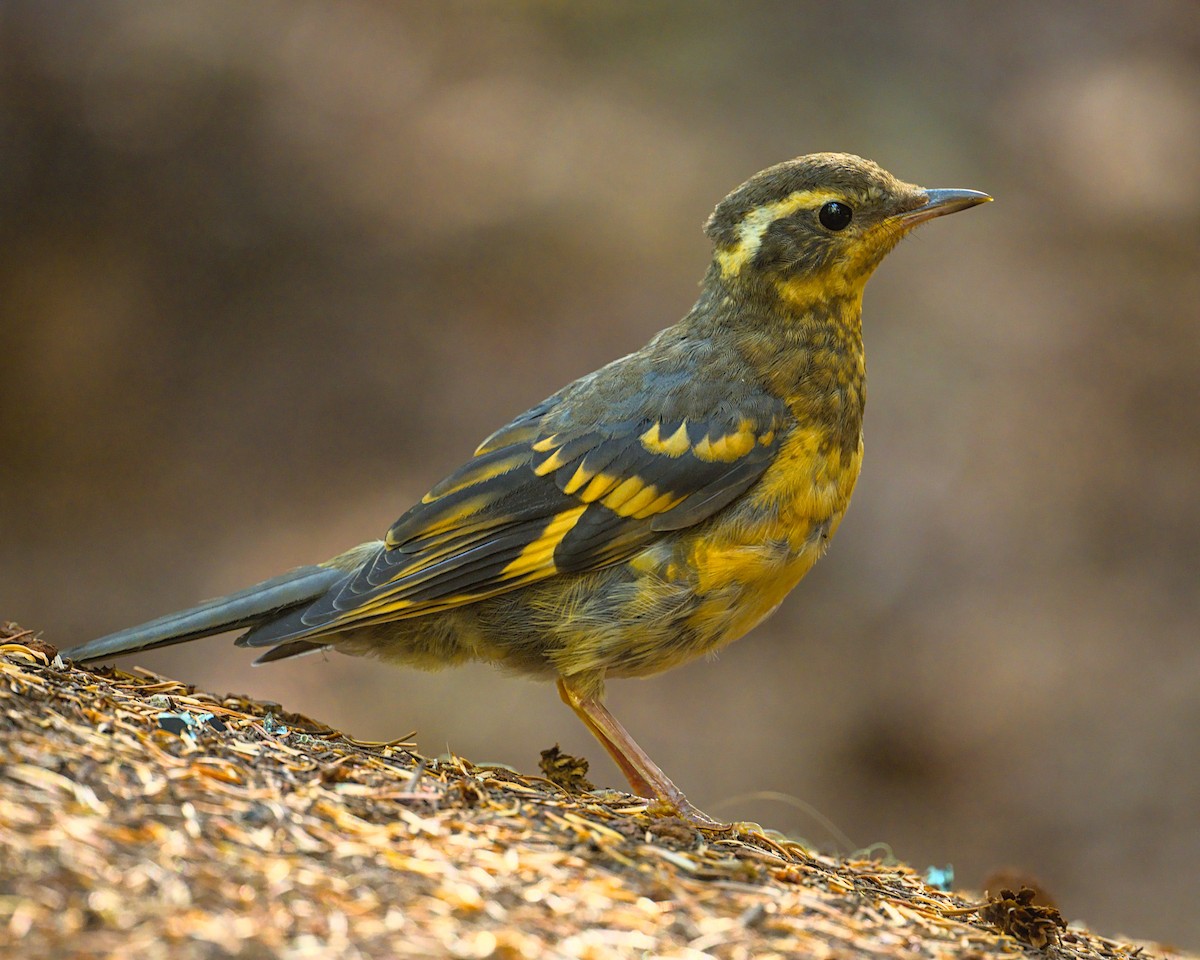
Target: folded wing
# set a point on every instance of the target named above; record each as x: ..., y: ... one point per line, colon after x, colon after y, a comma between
x: 537, y: 501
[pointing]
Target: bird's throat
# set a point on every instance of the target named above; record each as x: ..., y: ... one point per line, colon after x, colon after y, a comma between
x: 810, y: 353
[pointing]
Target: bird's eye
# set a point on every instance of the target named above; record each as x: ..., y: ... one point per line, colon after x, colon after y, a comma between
x: 835, y: 216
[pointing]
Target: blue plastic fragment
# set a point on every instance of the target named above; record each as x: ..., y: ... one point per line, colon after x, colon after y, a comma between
x: 274, y: 727
x: 940, y: 878
x: 212, y: 720
x: 184, y: 724
x: 177, y: 723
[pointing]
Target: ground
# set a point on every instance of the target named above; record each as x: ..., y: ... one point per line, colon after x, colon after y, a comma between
x: 140, y: 817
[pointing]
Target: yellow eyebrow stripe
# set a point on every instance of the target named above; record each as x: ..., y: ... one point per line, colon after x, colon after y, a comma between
x: 754, y: 226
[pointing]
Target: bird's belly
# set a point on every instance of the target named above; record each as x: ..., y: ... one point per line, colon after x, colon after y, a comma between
x: 739, y: 584
x: 714, y: 588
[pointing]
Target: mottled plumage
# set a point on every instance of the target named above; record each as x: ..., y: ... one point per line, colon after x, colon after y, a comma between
x: 649, y: 512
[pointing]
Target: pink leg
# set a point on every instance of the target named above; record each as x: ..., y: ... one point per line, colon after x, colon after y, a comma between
x: 644, y: 775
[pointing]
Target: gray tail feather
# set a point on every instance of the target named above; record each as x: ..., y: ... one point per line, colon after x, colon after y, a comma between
x: 238, y: 610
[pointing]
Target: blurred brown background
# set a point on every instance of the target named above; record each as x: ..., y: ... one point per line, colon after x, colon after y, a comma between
x: 268, y: 271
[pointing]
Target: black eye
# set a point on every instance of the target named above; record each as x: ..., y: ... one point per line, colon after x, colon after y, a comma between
x: 835, y: 216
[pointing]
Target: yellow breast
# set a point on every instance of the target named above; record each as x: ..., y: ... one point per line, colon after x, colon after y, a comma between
x: 746, y: 564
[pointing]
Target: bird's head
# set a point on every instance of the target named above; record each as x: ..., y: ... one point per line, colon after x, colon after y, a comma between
x: 815, y: 227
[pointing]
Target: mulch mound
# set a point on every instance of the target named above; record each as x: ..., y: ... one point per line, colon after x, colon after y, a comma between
x: 142, y: 818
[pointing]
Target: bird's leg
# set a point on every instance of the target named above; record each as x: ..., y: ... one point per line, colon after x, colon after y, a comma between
x: 645, y: 777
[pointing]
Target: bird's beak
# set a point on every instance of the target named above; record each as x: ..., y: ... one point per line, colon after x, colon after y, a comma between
x: 940, y: 202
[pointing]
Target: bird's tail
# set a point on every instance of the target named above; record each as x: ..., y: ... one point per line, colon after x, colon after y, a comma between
x: 245, y: 608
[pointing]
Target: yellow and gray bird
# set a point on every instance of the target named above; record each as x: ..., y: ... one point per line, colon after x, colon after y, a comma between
x: 651, y: 511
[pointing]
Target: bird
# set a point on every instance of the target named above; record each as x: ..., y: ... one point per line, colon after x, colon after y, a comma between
x: 646, y: 514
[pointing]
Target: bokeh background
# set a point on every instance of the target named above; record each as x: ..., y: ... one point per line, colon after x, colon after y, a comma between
x: 269, y: 270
